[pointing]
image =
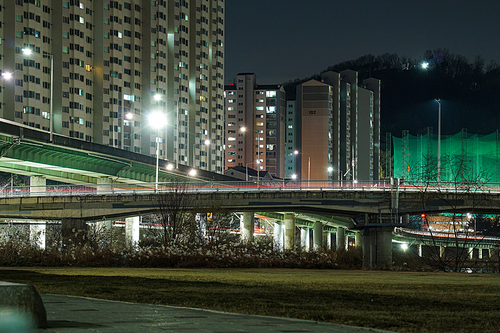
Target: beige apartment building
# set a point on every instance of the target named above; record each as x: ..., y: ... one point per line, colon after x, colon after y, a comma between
x: 255, y: 125
x: 114, y: 63
x: 337, y: 128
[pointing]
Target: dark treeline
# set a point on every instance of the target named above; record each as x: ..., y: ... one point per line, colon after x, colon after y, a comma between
x: 470, y: 91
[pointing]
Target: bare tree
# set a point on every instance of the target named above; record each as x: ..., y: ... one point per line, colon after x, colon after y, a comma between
x: 458, y: 227
x: 175, y: 214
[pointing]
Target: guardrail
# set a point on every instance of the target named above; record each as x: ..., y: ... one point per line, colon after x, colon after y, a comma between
x: 250, y: 186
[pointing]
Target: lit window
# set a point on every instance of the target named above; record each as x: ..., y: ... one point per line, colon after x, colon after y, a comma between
x: 82, y: 20
x: 231, y: 138
x: 271, y: 93
x: 259, y: 108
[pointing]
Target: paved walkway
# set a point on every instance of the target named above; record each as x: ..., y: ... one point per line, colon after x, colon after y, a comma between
x: 82, y: 314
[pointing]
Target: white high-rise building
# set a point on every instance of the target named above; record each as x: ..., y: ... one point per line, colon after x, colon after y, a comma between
x: 115, y: 62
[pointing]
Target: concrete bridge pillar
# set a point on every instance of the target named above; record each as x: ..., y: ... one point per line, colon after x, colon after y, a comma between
x: 304, y: 239
x: 74, y: 231
x: 377, y: 248
x: 289, y: 222
x: 317, y: 235
x: 104, y: 226
x: 102, y: 183
x: 38, y: 234
x: 340, y: 239
x: 358, y: 240
x: 471, y: 253
x: 38, y: 184
x: 278, y: 236
x: 442, y: 249
x: 480, y: 253
x: 419, y: 249
x: 246, y: 226
x: 132, y: 231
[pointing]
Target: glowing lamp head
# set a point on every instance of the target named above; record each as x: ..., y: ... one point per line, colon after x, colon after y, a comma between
x: 170, y: 166
x: 7, y: 75
x: 192, y: 172
x: 294, y: 176
x: 425, y: 65
x: 157, y: 97
x: 207, y: 142
x: 330, y: 169
x: 27, y: 51
x: 157, y: 120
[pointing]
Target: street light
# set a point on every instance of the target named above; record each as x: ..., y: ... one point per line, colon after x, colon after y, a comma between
x: 330, y: 170
x: 246, y: 170
x: 158, y: 120
x: 439, y: 143
x: 192, y: 172
x: 308, y: 165
x: 7, y: 75
x: 28, y: 52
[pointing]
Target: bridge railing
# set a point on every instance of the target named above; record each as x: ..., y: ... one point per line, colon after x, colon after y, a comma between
x: 243, y: 186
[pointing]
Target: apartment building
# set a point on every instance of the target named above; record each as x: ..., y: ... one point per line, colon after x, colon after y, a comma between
x: 113, y: 63
x: 338, y: 128
x: 290, y: 141
x: 255, y: 125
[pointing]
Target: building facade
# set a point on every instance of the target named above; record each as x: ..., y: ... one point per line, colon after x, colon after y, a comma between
x: 115, y: 62
x: 339, y: 133
x: 290, y: 140
x: 255, y: 125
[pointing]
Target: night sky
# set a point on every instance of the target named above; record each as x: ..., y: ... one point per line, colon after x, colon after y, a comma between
x: 280, y: 40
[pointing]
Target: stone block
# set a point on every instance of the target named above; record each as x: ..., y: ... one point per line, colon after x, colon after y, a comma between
x: 23, y: 298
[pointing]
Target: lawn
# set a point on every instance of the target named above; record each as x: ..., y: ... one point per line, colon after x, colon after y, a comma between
x: 398, y: 301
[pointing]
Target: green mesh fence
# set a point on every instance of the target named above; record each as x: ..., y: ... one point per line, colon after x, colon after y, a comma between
x: 464, y: 157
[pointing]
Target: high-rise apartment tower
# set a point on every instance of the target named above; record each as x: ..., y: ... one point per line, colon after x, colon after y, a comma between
x: 114, y: 63
x: 255, y: 125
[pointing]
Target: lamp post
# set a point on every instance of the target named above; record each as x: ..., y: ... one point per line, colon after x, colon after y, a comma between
x: 158, y: 120
x: 28, y: 52
x: 246, y: 170
x: 308, y: 165
x: 439, y: 143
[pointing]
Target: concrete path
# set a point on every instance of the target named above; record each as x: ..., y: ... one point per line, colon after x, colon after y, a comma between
x: 82, y: 314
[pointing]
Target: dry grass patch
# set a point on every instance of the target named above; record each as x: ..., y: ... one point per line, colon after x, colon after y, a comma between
x: 399, y: 301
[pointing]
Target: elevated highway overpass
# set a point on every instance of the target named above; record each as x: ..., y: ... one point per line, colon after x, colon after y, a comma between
x: 28, y: 151
x: 106, y: 183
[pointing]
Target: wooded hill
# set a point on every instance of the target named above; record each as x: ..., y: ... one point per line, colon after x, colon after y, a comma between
x: 469, y: 92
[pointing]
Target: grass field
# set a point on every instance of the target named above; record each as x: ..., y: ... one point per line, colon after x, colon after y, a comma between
x: 398, y: 301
